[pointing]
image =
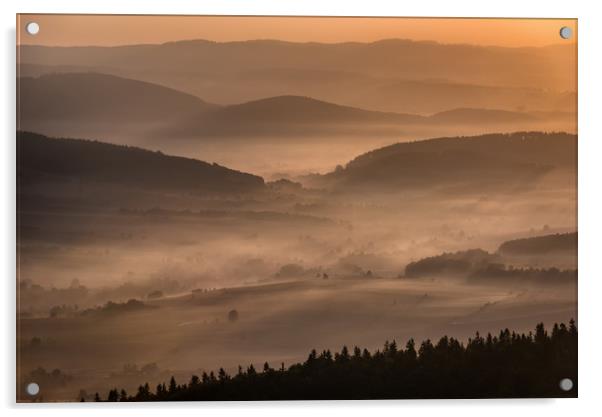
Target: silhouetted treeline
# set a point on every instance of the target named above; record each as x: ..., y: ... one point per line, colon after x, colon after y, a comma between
x: 502, y: 366
x: 548, y: 275
x: 540, y: 244
x: 458, y: 263
x: 104, y: 162
x: 114, y: 308
x: 479, y: 265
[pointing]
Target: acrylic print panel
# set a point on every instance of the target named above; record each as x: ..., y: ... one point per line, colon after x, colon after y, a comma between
x: 269, y: 208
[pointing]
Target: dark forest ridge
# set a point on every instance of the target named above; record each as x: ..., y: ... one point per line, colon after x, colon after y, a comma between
x: 481, y: 162
x: 103, y: 162
x: 559, y: 242
x: 475, y: 163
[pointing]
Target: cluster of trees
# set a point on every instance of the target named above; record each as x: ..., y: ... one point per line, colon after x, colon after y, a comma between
x: 503, y: 366
x: 47, y: 379
x: 500, y: 271
x: 36, y: 300
x: 64, y: 310
x: 541, y: 244
x: 111, y: 307
x: 155, y: 294
x: 479, y: 265
x: 458, y: 263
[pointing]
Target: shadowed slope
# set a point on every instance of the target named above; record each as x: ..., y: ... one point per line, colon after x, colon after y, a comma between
x: 102, y: 162
x: 481, y: 162
x: 100, y: 98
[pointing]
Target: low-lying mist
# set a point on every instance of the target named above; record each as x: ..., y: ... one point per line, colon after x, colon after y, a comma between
x: 120, y: 283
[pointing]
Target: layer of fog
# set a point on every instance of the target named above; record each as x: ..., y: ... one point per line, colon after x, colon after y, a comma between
x: 284, y: 155
x: 303, y: 268
x: 278, y: 323
x: 126, y: 244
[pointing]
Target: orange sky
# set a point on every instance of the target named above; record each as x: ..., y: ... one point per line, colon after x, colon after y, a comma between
x: 123, y: 29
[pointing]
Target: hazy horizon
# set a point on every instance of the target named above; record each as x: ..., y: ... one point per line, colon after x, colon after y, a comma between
x: 87, y: 30
x: 243, y: 40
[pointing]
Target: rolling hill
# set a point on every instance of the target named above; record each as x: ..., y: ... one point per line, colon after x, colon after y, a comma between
x: 381, y: 93
x: 547, y: 244
x: 122, y: 110
x: 84, y: 160
x: 296, y: 109
x: 387, y: 94
x: 289, y: 116
x: 63, y: 101
x: 477, y: 163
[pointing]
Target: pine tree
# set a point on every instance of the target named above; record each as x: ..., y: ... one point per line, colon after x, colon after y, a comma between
x: 194, y: 381
x: 113, y: 395
x: 172, y: 385
x: 410, y: 352
x: 540, y: 334
x: 205, y: 378
x: 222, y: 375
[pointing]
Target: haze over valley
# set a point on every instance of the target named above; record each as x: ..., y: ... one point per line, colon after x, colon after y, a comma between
x: 195, y: 204
x: 270, y: 98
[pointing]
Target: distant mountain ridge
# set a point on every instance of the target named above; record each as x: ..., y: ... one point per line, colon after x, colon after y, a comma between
x: 100, y: 105
x: 499, y: 66
x: 394, y: 75
x: 480, y: 116
x: 297, y: 109
x: 387, y: 94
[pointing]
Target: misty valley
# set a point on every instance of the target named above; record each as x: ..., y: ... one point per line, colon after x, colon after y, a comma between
x: 135, y: 265
x: 208, y: 220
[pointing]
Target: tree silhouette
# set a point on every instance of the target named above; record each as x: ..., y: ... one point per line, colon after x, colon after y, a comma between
x: 194, y: 380
x: 113, y: 395
x: 172, y: 385
x: 232, y: 316
x: 266, y: 368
